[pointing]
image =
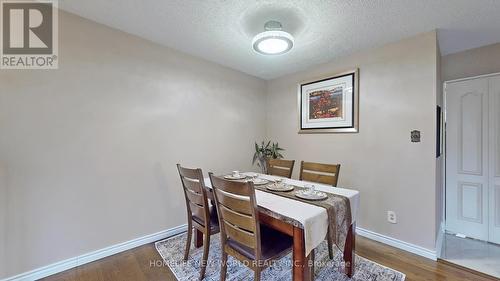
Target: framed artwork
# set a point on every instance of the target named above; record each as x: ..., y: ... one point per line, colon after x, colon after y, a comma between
x: 329, y: 105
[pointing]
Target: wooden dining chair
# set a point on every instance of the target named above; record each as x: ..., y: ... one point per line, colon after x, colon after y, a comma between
x: 242, y: 236
x: 325, y: 174
x: 201, y: 215
x: 280, y: 167
x: 320, y: 173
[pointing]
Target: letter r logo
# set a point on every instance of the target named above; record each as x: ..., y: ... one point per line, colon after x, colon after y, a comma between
x: 27, y: 28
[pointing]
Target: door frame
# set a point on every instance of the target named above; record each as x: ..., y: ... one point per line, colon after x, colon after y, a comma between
x: 444, y: 153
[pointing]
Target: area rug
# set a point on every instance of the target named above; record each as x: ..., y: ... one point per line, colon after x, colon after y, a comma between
x: 172, y: 252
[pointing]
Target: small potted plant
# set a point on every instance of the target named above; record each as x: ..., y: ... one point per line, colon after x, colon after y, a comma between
x: 263, y: 152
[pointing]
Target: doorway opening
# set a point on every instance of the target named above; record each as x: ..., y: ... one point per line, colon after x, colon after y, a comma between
x: 472, y: 173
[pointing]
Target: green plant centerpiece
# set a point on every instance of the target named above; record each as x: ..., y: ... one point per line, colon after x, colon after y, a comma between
x: 263, y: 152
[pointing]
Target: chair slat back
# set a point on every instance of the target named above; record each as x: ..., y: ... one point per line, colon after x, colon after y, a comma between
x: 237, y: 205
x: 320, y: 173
x: 237, y: 209
x: 195, y: 194
x: 194, y: 197
x: 280, y: 167
x: 197, y: 211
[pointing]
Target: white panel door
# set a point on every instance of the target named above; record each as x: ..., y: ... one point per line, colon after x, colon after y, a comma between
x: 467, y: 158
x: 494, y: 153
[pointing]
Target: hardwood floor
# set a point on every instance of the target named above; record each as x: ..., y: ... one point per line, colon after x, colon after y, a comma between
x: 134, y: 265
x: 415, y: 267
x: 131, y: 265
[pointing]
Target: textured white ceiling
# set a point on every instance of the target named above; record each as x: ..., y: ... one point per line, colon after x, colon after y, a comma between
x: 222, y: 30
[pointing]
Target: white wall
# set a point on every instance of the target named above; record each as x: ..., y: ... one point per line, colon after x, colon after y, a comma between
x: 397, y: 94
x: 90, y: 149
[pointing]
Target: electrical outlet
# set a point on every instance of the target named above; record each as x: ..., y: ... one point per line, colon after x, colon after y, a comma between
x: 391, y: 217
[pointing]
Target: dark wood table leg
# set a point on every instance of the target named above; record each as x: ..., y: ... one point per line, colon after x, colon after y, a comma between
x: 303, y: 267
x: 350, y: 245
x: 198, y: 238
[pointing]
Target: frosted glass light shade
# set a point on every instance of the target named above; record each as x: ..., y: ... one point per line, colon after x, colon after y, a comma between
x: 273, y: 42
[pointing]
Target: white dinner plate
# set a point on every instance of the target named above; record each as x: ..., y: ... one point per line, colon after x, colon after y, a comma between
x: 304, y: 194
x: 231, y: 177
x: 280, y: 187
x: 259, y: 181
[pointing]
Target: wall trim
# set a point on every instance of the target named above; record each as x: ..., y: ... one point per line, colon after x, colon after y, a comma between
x: 412, y: 248
x: 439, y: 240
x: 63, y: 265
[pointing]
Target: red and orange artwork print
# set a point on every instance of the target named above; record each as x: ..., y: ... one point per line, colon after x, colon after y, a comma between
x: 325, y: 103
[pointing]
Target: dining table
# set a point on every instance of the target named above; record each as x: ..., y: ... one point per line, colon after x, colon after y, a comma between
x: 307, y: 223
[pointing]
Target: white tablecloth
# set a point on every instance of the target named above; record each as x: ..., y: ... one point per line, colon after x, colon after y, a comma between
x: 313, y: 218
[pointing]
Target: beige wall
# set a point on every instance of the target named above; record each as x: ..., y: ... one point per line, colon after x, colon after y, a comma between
x: 3, y: 219
x: 479, y: 61
x: 397, y: 95
x: 90, y: 149
x: 440, y: 160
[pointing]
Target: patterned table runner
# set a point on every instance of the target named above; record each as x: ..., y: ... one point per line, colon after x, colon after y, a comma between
x: 338, y: 209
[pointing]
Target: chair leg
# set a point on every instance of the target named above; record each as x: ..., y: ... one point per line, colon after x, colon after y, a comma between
x: 206, y: 246
x: 313, y: 261
x: 223, y: 268
x: 256, y: 274
x: 188, y: 241
x: 330, y: 245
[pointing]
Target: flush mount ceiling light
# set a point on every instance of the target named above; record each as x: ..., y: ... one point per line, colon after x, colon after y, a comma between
x: 273, y: 41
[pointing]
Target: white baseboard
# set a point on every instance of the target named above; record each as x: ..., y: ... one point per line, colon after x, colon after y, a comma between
x: 397, y: 243
x: 95, y: 255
